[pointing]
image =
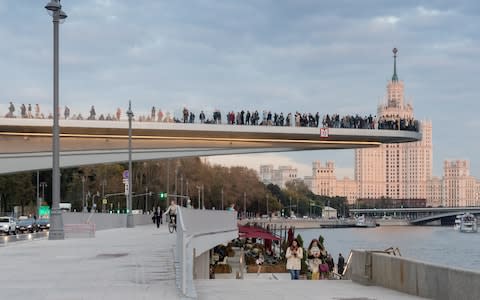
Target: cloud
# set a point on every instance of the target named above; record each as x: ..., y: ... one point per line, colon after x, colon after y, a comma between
x: 389, y: 20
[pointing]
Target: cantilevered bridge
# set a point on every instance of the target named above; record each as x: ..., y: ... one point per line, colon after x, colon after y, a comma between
x: 25, y: 144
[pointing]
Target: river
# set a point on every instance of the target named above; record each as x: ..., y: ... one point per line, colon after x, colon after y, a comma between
x: 435, y: 244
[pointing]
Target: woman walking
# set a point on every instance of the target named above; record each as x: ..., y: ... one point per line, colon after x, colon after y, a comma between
x: 294, y: 257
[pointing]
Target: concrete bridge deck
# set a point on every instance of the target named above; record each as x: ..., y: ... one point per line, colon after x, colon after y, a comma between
x: 137, y: 263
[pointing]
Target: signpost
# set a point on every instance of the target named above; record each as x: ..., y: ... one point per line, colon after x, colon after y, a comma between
x: 324, y: 132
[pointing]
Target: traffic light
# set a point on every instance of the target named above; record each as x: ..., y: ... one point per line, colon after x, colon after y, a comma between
x: 162, y: 196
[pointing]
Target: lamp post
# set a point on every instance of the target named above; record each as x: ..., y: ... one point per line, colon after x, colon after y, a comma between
x: 244, y: 205
x: 83, y: 194
x: 129, y: 200
x: 146, y: 199
x: 199, y: 202
x: 222, y: 198
x: 43, y: 185
x: 56, y: 221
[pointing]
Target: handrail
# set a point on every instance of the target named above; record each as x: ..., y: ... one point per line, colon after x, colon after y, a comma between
x: 185, y: 237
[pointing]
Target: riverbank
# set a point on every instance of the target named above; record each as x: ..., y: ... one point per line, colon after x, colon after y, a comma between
x: 321, y: 223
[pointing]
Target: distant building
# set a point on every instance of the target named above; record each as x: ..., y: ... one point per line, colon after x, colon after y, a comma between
x: 323, y: 180
x: 435, y: 192
x: 325, y: 183
x: 395, y: 171
x: 278, y: 176
x: 460, y: 188
x: 329, y: 213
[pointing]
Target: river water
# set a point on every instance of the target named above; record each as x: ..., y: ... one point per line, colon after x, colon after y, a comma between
x: 435, y: 244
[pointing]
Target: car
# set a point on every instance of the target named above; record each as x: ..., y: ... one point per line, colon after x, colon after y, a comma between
x: 43, y: 224
x: 25, y: 225
x: 7, y: 225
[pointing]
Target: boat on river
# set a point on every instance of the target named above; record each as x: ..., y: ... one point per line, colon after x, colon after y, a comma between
x: 362, y: 222
x: 458, y: 221
x: 468, y: 223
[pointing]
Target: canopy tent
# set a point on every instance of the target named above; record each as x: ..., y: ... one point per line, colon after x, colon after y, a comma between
x: 256, y: 232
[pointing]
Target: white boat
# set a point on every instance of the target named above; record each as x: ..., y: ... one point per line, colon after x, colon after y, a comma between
x: 468, y: 223
x: 458, y: 220
x: 361, y: 221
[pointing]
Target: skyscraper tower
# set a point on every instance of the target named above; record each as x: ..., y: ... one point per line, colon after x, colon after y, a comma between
x: 397, y: 171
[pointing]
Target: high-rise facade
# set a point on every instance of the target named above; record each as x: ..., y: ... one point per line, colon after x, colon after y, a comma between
x: 460, y: 188
x: 324, y: 182
x: 396, y: 171
x: 435, y: 192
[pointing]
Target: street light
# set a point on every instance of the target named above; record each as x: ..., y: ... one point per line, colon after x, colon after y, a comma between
x: 56, y: 222
x: 130, y: 223
x: 199, y: 201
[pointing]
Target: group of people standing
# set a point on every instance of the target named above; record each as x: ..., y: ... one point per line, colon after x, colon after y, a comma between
x: 320, y: 263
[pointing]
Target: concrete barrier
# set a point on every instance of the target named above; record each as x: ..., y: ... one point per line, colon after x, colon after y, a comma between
x: 104, y: 221
x: 413, y: 277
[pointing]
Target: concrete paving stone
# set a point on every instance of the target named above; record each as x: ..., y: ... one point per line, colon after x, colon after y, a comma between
x: 125, y: 263
x: 266, y: 289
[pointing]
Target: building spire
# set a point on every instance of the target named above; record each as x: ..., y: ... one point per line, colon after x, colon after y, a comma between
x: 394, y: 77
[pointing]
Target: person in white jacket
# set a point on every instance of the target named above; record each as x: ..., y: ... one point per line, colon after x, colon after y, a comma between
x: 294, y: 257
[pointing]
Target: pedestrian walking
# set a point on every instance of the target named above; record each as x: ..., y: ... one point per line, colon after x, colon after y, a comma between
x: 340, y: 264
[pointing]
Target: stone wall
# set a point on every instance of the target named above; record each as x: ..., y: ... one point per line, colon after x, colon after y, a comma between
x: 105, y: 221
x: 413, y: 277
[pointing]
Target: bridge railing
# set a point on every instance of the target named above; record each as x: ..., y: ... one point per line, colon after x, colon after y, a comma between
x: 197, y: 232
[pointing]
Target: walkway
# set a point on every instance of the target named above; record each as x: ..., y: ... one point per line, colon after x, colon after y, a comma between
x: 265, y: 289
x: 134, y: 263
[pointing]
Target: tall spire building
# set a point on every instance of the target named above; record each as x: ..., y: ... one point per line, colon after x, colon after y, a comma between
x: 396, y: 171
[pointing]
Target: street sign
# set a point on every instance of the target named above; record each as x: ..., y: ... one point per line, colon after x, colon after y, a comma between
x: 126, y: 189
x: 125, y: 181
x: 104, y: 201
x: 324, y: 132
x: 125, y: 174
x: 44, y: 211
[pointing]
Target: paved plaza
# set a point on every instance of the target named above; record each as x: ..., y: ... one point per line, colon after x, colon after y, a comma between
x: 133, y: 263
x: 137, y: 263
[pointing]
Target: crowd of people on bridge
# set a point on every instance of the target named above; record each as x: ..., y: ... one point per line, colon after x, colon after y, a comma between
x: 243, y: 117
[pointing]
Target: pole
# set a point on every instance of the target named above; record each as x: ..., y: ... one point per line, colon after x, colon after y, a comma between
x: 168, y: 179
x: 129, y: 199
x: 83, y: 193
x: 186, y: 189
x: 290, y: 207
x: 244, y: 204
x: 146, y: 199
x: 203, y: 196
x: 222, y: 198
x: 199, y: 203
x: 267, y: 205
x: 38, y: 193
x: 181, y: 185
x: 176, y: 172
x: 56, y: 220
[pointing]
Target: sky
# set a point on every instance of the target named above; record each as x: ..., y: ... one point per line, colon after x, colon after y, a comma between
x: 283, y: 56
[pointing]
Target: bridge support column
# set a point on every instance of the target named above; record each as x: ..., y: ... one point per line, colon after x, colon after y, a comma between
x: 202, y: 266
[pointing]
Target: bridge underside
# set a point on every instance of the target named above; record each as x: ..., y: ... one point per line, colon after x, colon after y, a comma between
x: 26, y: 144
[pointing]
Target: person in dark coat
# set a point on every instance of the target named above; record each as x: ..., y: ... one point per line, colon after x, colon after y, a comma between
x: 340, y: 264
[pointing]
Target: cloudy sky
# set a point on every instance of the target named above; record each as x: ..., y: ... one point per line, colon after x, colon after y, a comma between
x: 305, y: 55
